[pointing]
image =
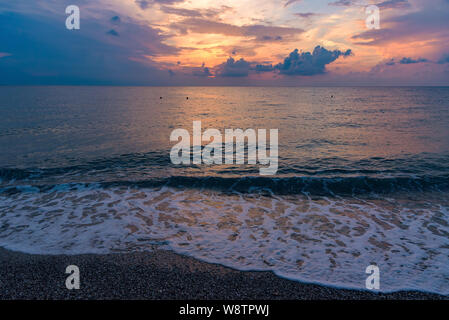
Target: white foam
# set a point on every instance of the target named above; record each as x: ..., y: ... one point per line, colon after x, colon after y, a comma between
x: 320, y: 240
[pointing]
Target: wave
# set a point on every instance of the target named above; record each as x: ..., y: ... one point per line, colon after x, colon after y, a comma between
x: 157, y: 163
x: 307, y: 238
x: 319, y: 186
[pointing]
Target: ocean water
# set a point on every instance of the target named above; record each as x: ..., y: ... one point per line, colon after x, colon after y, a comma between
x: 363, y: 179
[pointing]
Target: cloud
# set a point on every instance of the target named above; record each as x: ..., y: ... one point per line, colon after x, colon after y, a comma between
x: 264, y: 68
x: 119, y: 44
x: 112, y: 32
x: 305, y: 15
x: 270, y: 38
x: 393, y: 4
x: 426, y: 23
x: 387, y: 4
x: 309, y: 64
x: 444, y: 59
x: 260, y: 32
x: 115, y: 20
x: 181, y: 11
x: 201, y: 72
x: 249, y: 50
x: 232, y: 68
x: 302, y: 64
x: 289, y: 2
x: 406, y: 60
x: 210, y: 13
x: 343, y: 3
x: 145, y: 4
x: 44, y: 52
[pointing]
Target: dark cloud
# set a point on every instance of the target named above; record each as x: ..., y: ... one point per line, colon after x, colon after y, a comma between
x: 214, y: 12
x: 115, y: 20
x: 393, y: 4
x: 289, y: 2
x: 305, y: 15
x: 145, y: 4
x: 43, y: 52
x: 406, y: 60
x: 423, y: 24
x: 181, y: 12
x: 263, y: 68
x: 263, y: 33
x: 210, y: 13
x: 373, y: 36
x: 233, y: 68
x: 444, y: 59
x: 309, y: 64
x: 270, y: 38
x: 112, y: 32
x: 303, y: 64
x: 260, y: 32
x: 343, y: 3
x: 201, y: 72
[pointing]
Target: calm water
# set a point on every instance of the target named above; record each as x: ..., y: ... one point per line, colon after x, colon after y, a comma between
x: 363, y: 179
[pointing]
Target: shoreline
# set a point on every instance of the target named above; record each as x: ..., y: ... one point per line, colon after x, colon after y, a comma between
x: 160, y: 275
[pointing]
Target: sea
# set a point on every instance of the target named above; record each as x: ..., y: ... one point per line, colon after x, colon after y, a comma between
x: 363, y: 179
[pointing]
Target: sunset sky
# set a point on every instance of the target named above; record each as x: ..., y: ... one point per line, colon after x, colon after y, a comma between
x: 230, y: 42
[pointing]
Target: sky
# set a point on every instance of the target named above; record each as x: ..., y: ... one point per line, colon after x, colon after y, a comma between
x: 229, y: 42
